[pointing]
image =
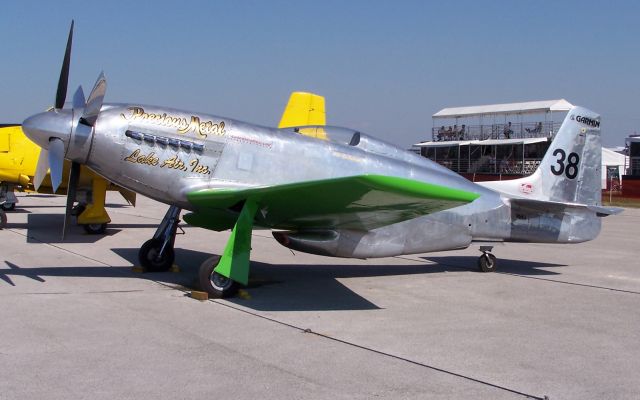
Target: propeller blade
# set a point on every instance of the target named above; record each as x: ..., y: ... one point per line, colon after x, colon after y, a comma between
x: 61, y: 93
x: 56, y: 162
x: 78, y: 98
x: 72, y: 186
x: 41, y: 168
x: 94, y: 103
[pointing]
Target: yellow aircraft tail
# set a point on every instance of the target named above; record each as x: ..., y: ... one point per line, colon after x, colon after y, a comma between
x: 305, y: 109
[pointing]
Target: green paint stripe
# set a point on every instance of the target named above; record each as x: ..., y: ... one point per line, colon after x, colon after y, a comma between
x: 389, y: 184
x: 420, y: 189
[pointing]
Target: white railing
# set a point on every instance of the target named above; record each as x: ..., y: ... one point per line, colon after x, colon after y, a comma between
x: 518, y: 130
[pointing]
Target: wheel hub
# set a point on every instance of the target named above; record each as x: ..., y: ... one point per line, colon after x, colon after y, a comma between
x: 220, y: 281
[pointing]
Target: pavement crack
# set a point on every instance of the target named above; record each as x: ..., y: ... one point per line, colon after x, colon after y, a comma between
x: 571, y: 283
x: 586, y: 285
x: 382, y: 353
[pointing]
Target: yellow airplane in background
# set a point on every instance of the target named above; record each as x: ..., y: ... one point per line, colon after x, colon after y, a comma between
x: 19, y: 158
x: 18, y: 163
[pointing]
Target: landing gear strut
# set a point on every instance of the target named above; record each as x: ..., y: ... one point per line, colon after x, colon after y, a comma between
x: 487, y: 261
x: 156, y: 254
x: 221, y: 276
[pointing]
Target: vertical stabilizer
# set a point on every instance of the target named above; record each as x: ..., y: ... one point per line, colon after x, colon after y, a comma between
x: 303, y: 109
x: 570, y: 170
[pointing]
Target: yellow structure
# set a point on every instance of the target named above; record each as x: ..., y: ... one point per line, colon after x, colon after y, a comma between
x: 18, y: 161
x: 18, y: 156
x: 305, y: 109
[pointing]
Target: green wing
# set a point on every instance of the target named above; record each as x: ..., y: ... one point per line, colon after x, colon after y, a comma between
x: 362, y: 202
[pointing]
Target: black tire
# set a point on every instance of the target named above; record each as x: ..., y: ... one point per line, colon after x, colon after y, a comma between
x: 78, y: 209
x: 487, y: 262
x: 3, y: 220
x: 8, y: 206
x: 213, y: 283
x: 95, y: 229
x: 148, y: 256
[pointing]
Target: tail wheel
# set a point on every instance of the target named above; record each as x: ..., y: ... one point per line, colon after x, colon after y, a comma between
x: 213, y: 283
x: 151, y: 259
x: 487, y: 262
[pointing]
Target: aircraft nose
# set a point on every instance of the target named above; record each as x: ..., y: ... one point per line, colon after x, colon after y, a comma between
x: 40, y: 128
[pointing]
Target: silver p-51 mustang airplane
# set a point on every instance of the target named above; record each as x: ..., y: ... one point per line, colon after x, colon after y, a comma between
x: 329, y: 191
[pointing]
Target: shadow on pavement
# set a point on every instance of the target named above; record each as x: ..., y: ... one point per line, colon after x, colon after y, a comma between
x: 117, y: 205
x: 17, y: 210
x: 276, y: 287
x: 41, y: 195
x: 521, y: 267
x: 19, y: 206
x: 47, y: 228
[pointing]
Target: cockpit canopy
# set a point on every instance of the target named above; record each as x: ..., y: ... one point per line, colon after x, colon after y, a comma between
x: 331, y: 133
x: 351, y: 137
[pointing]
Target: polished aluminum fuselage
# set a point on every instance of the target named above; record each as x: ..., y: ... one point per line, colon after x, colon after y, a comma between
x: 164, y: 154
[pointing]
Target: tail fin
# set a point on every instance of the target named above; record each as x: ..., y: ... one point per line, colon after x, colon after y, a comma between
x: 303, y: 109
x: 570, y: 170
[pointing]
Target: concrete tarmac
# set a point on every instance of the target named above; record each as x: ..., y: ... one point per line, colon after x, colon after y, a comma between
x: 560, y: 321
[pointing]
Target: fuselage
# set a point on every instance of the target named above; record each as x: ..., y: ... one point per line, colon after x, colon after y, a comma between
x: 165, y: 154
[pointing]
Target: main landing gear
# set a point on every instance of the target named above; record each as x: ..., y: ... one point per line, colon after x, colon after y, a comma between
x: 6, y: 206
x: 219, y: 276
x: 92, y: 215
x: 487, y: 262
x: 156, y: 254
x: 214, y: 283
x: 8, y: 202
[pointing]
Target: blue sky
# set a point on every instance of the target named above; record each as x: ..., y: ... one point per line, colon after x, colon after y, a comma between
x: 384, y: 66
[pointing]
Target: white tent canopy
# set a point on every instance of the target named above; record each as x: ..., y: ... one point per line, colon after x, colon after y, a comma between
x: 612, y: 158
x: 529, y: 107
x: 486, y: 142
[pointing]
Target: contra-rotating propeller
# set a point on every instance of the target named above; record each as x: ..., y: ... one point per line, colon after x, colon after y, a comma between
x: 61, y: 134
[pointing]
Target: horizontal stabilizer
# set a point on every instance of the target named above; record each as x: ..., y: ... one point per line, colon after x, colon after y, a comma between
x: 556, y: 206
x: 605, y: 211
